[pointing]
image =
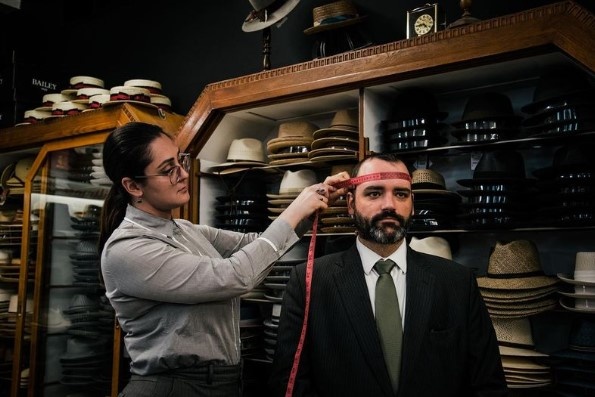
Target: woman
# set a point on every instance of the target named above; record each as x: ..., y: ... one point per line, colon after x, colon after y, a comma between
x: 174, y: 285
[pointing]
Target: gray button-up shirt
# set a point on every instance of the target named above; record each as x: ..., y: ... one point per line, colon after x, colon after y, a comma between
x: 175, y: 287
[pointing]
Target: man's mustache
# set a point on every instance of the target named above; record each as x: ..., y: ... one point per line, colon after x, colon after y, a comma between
x: 388, y: 215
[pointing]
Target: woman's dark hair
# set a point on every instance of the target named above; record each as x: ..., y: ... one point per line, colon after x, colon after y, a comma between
x: 126, y: 153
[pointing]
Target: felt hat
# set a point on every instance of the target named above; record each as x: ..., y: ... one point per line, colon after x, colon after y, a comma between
x: 293, y: 141
x: 487, y: 106
x: 558, y: 85
x: 584, y: 270
x: 243, y: 154
x: 498, y: 166
x: 293, y: 182
x: 266, y: 13
x: 344, y: 123
x: 515, y: 266
x: 412, y: 103
x: 334, y: 15
x: 432, y: 245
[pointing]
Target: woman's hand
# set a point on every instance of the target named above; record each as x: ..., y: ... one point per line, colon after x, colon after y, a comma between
x: 313, y: 198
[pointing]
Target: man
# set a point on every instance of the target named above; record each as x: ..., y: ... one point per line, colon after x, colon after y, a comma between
x: 448, y: 344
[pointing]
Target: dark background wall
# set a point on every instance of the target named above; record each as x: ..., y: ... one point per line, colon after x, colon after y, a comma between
x: 187, y: 44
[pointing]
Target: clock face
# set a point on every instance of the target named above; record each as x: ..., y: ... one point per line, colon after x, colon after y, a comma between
x: 423, y: 24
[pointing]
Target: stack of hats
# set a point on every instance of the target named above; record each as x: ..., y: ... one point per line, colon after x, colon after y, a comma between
x: 92, y: 98
x: 488, y: 117
x: 77, y: 102
x: 276, y: 281
x: 338, y: 27
x: 85, y: 261
x: 339, y: 141
x: 243, y: 154
x: 84, y: 361
x: 414, y: 123
x: 435, y: 207
x: 7, y: 328
x: 567, y: 188
x: 515, y: 284
x: 292, y: 183
x: 563, y: 103
x: 243, y: 207
x: 98, y: 176
x: 574, y: 366
x: 524, y: 367
x: 499, y: 191
x: 335, y: 218
x: 293, y: 143
x: 579, y: 289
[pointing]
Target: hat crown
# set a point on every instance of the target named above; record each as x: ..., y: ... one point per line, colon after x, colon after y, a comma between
x: 260, y: 4
x: 516, y: 257
x: 516, y: 331
x: 500, y: 164
x: 584, y: 266
x: 23, y: 166
x: 425, y: 178
x: 486, y: 106
x: 246, y: 149
x: 303, y: 129
x: 345, y: 119
x: 432, y: 245
x: 296, y: 181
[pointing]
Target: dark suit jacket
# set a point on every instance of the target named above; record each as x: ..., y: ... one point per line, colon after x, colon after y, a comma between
x: 449, y: 343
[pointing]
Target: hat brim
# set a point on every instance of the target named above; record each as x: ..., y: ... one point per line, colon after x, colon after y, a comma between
x: 335, y: 25
x: 273, y: 18
x: 569, y: 279
x: 338, y: 140
x: 351, y: 132
x: 274, y: 145
x: 564, y: 302
x: 516, y: 283
x: 537, y: 106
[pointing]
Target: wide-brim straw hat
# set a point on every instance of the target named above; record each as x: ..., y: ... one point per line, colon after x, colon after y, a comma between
x: 513, y: 266
x: 338, y: 14
x: 427, y: 181
x: 266, y: 13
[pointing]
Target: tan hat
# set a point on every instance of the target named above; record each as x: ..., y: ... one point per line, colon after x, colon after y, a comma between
x: 584, y: 270
x: 427, y: 181
x: 345, y: 123
x: 292, y: 133
x: 243, y: 153
x: 432, y: 245
x: 333, y: 16
x: 293, y: 182
x: 515, y: 265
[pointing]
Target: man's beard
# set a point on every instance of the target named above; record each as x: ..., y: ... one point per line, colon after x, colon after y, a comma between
x: 369, y: 229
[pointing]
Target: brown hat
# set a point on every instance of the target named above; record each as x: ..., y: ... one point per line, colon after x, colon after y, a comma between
x: 514, y: 266
x: 292, y: 133
x: 345, y: 123
x: 333, y: 16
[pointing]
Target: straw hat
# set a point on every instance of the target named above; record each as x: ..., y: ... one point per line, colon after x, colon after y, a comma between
x: 334, y: 15
x: 514, y: 266
x: 266, y: 13
x: 427, y: 181
x: 584, y: 270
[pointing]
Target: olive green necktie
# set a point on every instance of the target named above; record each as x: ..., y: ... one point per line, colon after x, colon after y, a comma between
x: 388, y: 320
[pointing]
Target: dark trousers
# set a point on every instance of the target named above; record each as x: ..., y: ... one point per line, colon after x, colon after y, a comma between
x: 206, y: 381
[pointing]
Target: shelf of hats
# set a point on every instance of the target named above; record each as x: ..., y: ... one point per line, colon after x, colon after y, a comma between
x: 52, y: 191
x: 499, y: 140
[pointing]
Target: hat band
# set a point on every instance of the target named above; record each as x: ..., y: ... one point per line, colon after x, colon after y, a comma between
x: 334, y: 19
x: 516, y: 275
x: 263, y: 15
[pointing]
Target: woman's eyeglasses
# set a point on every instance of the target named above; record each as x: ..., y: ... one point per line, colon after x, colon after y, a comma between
x: 174, y: 172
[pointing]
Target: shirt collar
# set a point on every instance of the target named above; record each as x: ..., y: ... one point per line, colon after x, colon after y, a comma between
x: 369, y: 257
x: 155, y: 223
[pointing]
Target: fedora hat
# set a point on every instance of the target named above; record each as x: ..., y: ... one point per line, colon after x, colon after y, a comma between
x: 335, y: 15
x: 498, y: 166
x: 292, y: 134
x: 432, y: 245
x: 345, y: 122
x: 243, y: 153
x: 412, y: 103
x: 266, y: 13
x: 427, y: 181
x: 584, y: 270
x: 293, y: 182
x: 570, y: 158
x: 487, y: 106
x: 558, y: 85
x: 515, y: 266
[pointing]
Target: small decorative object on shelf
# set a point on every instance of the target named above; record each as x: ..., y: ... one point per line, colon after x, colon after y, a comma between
x: 428, y: 18
x: 466, y: 18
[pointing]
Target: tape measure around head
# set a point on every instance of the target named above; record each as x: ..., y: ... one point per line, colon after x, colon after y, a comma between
x: 352, y: 182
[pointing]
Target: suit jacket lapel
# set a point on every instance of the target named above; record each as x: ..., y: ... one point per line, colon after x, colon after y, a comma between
x: 420, y: 292
x: 355, y: 298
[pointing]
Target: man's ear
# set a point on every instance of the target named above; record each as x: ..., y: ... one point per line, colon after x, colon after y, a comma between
x: 132, y: 187
x: 350, y: 203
